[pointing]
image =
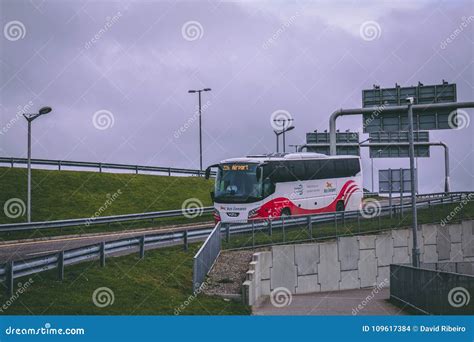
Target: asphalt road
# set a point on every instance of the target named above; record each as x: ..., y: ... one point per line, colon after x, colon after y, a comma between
x: 20, y: 250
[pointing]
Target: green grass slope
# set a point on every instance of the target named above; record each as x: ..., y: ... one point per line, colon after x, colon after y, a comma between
x: 77, y: 194
x: 159, y: 284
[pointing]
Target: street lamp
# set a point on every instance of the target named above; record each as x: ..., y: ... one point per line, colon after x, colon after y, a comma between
x: 200, y: 130
x: 29, y: 118
x: 278, y: 133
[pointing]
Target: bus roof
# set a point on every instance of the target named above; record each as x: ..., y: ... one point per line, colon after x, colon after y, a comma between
x: 261, y: 158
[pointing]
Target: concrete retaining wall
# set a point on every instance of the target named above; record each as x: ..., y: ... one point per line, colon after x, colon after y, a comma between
x: 352, y: 262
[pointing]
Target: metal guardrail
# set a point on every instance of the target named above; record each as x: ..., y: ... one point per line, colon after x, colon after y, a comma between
x: 11, y: 227
x: 101, y: 166
x: 15, y: 269
x: 432, y: 291
x: 206, y: 257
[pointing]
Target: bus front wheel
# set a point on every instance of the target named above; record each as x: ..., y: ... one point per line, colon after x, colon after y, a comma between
x: 285, y: 212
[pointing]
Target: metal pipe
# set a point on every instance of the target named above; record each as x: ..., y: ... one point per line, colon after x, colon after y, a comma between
x: 28, y: 204
x: 411, y: 149
x: 439, y: 143
x: 378, y: 110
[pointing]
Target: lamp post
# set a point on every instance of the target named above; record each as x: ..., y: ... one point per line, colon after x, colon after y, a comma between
x: 283, y: 130
x: 29, y: 118
x: 199, y: 91
x: 278, y: 133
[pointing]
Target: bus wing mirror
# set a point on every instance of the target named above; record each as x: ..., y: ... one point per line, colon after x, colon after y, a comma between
x: 208, y: 171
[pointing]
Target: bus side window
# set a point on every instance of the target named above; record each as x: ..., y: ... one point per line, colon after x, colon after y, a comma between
x: 268, y: 187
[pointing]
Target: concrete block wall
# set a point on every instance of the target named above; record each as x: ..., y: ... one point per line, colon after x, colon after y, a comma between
x: 353, y: 262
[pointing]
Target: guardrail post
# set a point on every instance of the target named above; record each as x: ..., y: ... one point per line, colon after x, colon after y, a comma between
x: 142, y: 247
x: 169, y: 171
x: 310, y: 227
x: 102, y: 254
x: 100, y: 167
x: 253, y: 234
x: 358, y: 221
x: 136, y: 169
x: 270, y: 227
x: 335, y: 222
x: 283, y: 228
x: 227, y: 232
x: 185, y: 240
x: 13, y: 162
x: 59, y: 165
x: 61, y: 265
x: 9, y: 278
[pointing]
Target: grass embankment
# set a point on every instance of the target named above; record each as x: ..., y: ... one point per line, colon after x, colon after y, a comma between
x: 349, y: 227
x: 159, y: 284
x: 79, y: 194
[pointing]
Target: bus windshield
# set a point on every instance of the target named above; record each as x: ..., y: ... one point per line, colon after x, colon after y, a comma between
x: 237, y: 183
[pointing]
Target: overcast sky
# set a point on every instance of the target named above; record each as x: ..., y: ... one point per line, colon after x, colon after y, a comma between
x: 117, y: 73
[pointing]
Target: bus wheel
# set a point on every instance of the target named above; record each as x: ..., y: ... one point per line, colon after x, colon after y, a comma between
x: 340, y: 206
x: 285, y: 212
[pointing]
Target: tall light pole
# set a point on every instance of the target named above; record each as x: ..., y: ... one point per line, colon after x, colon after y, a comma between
x: 29, y: 118
x: 278, y: 133
x: 199, y: 91
x: 283, y: 130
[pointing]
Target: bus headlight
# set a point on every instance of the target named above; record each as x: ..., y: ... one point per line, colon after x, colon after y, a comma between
x: 253, y: 213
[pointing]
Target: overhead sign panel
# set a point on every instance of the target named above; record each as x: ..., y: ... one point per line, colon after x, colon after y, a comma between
x: 395, y: 181
x: 380, y: 98
x: 399, y: 151
x: 347, y: 143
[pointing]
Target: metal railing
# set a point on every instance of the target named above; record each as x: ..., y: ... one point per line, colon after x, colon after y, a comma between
x: 431, y: 291
x: 305, y: 228
x: 16, y: 269
x: 11, y: 227
x: 210, y: 250
x: 206, y: 257
x: 101, y: 166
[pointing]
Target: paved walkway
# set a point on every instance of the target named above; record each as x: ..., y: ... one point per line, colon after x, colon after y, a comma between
x: 348, y: 302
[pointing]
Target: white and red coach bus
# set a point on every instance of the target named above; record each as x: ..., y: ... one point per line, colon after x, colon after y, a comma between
x: 264, y: 186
